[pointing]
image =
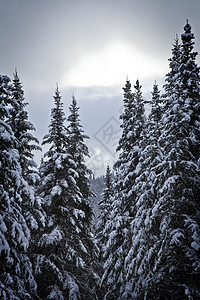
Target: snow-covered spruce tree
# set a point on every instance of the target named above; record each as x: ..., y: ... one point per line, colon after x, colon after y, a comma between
x: 138, y: 261
x: 26, y: 144
x: 105, y: 205
x: 175, y: 222
x: 123, y: 207
x: 171, y: 86
x: 16, y: 277
x: 97, y: 187
x: 113, y: 255
x: 78, y: 150
x: 22, y: 128
x: 104, y: 220
x: 65, y: 248
x: 156, y: 112
x: 130, y: 143
x: 189, y: 82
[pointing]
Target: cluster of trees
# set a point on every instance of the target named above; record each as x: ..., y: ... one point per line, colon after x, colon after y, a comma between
x: 146, y: 244
x: 47, y: 248
x: 150, y: 247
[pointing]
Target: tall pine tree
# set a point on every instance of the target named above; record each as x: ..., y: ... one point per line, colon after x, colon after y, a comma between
x: 16, y: 277
x: 175, y: 213
x: 65, y: 247
x: 78, y: 150
x: 123, y: 207
x: 105, y: 205
x: 139, y: 259
x: 26, y: 143
x: 171, y: 86
x: 22, y: 128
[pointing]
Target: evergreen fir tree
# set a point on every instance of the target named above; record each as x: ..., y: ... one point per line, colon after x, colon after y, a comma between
x: 78, y: 149
x: 21, y: 127
x: 108, y: 190
x: 125, y: 141
x: 134, y: 143
x: 26, y: 144
x: 189, y: 82
x: 140, y: 257
x: 65, y: 247
x: 104, y: 221
x: 16, y: 277
x: 105, y: 205
x: 123, y: 207
x: 156, y: 109
x: 97, y: 187
x: 171, y: 86
x: 114, y: 253
x: 174, y: 224
x: 164, y: 261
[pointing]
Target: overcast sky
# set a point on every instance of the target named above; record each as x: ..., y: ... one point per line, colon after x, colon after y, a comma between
x: 89, y: 47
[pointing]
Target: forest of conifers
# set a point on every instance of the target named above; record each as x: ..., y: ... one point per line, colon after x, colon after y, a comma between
x: 146, y: 243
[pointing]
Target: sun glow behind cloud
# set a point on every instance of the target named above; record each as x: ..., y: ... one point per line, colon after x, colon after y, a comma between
x: 110, y: 66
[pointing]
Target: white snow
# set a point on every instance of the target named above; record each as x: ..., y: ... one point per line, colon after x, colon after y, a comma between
x: 195, y: 246
x: 53, y: 238
x: 56, y: 190
x: 78, y: 213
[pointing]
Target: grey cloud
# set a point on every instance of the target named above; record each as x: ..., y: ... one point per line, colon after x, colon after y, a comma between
x: 45, y: 38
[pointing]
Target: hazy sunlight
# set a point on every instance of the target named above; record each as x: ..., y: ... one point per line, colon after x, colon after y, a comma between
x: 111, y: 65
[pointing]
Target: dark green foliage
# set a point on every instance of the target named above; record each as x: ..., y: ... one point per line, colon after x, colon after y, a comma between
x: 122, y: 209
x: 64, y: 263
x: 105, y: 205
x: 154, y: 242
x: 78, y: 149
x: 21, y: 128
x: 172, y: 86
x: 177, y: 182
x: 165, y: 241
x: 16, y: 277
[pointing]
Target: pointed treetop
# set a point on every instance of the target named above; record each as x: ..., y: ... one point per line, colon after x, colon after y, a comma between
x: 57, y: 92
x: 137, y: 85
x: 15, y: 73
x: 15, y: 76
x: 127, y: 87
x: 156, y: 92
x: 187, y: 27
x: 74, y: 101
x: 187, y: 36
